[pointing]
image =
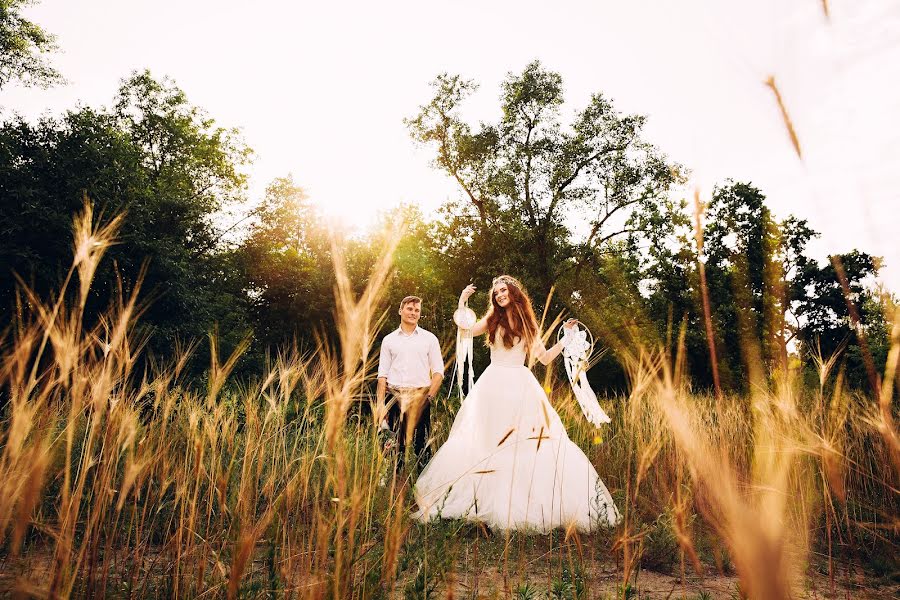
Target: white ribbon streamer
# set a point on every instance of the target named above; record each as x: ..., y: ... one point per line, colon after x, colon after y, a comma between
x: 465, y: 320
x: 576, y: 350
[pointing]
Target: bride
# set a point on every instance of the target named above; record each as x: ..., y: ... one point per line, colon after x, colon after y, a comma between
x: 508, y: 461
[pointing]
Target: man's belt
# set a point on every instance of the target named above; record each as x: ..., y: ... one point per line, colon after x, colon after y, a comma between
x: 396, y: 389
x: 405, y: 395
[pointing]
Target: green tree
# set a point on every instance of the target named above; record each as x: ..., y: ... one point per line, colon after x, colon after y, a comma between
x: 794, y: 263
x: 162, y: 162
x: 741, y: 241
x: 826, y: 322
x: 540, y: 199
x: 764, y: 289
x: 420, y: 269
x: 287, y: 267
x: 666, y: 270
x: 23, y: 46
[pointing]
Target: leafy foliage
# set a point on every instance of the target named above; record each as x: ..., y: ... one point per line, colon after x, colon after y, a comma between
x: 22, y: 46
x: 587, y: 209
x: 527, y: 180
x: 152, y: 156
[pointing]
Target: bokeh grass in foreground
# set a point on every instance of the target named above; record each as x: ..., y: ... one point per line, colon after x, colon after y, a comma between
x: 119, y: 479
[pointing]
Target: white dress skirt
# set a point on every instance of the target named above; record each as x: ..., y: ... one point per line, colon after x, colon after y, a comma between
x: 508, y: 461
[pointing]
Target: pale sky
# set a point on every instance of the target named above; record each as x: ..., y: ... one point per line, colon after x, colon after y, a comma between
x: 320, y: 89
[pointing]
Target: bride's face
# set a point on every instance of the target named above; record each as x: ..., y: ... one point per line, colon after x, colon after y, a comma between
x: 501, y: 294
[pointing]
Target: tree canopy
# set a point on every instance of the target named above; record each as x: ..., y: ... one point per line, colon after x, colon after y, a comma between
x: 156, y: 158
x: 23, y: 48
x: 528, y: 179
x: 589, y: 209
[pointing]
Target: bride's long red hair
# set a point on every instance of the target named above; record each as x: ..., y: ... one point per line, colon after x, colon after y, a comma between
x: 516, y: 321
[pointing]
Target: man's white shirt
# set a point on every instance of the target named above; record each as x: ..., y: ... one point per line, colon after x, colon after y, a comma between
x: 410, y: 359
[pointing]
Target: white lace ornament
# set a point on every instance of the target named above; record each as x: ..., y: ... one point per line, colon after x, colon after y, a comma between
x: 465, y: 320
x: 577, y: 344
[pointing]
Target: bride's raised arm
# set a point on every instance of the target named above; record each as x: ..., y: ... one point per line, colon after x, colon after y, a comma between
x: 546, y: 355
x: 480, y: 327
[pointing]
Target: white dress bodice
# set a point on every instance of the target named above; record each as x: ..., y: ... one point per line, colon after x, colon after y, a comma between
x: 508, y: 357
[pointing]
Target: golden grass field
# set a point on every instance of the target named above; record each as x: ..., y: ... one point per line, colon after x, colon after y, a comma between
x: 120, y: 482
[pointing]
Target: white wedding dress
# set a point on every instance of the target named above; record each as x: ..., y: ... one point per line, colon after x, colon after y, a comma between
x: 508, y: 461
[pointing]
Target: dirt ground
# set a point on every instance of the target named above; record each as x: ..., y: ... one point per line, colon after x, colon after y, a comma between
x: 606, y: 583
x: 489, y: 580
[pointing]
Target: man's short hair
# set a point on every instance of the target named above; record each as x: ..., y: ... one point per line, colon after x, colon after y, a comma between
x: 410, y: 299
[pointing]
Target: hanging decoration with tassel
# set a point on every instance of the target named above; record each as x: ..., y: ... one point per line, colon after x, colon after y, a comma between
x: 465, y: 320
x: 577, y: 346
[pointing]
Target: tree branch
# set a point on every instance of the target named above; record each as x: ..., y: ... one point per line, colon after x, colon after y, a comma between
x: 582, y: 164
x: 528, y: 201
x: 599, y: 224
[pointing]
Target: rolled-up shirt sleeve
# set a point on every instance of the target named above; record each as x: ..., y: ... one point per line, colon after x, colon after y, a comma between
x: 435, y: 360
x: 384, y: 359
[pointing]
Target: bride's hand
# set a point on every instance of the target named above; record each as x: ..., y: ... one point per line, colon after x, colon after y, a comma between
x: 466, y: 293
x: 571, y: 323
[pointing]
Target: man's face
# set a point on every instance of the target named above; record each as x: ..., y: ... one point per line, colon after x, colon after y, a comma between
x: 410, y: 313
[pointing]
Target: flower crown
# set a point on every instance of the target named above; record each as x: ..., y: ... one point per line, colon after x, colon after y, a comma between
x: 508, y: 280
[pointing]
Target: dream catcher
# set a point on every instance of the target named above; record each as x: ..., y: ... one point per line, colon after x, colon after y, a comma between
x: 465, y: 320
x: 577, y: 345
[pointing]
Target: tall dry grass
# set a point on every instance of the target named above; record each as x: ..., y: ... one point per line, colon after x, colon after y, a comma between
x: 118, y: 479
x: 130, y: 482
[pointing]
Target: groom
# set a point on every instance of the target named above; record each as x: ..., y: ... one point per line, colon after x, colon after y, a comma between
x: 410, y: 370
